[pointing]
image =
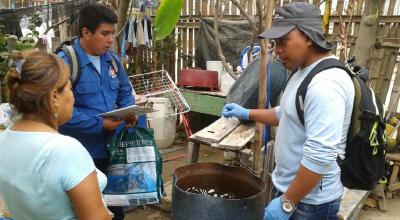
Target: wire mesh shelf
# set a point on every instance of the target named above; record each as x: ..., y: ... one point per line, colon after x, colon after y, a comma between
x: 159, y: 84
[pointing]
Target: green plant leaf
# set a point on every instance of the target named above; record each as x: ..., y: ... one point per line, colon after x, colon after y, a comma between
x: 167, y: 15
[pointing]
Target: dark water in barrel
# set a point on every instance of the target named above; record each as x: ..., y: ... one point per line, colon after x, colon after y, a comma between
x: 217, y: 186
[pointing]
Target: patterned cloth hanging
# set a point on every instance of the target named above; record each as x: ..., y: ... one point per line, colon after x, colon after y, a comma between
x: 144, y: 3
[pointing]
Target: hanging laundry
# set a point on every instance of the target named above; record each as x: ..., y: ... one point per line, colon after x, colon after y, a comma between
x: 124, y: 41
x: 138, y: 29
x: 149, y: 27
x: 132, y: 31
x: 146, y: 3
x: 139, y: 32
x: 146, y: 33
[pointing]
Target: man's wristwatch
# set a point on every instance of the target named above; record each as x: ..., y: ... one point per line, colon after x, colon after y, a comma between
x: 287, y: 205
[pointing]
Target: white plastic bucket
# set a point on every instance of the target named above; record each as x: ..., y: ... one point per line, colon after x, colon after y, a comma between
x: 216, y: 66
x: 164, y: 127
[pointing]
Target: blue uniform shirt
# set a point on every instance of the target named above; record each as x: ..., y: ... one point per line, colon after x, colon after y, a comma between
x: 95, y: 94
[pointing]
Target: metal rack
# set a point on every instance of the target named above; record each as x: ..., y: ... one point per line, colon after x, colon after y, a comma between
x: 159, y: 84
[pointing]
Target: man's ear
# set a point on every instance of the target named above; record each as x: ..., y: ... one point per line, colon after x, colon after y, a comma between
x: 309, y: 42
x: 86, y: 33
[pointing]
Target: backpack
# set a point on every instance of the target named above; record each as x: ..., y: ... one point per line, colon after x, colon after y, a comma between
x: 364, y: 162
x: 73, y: 59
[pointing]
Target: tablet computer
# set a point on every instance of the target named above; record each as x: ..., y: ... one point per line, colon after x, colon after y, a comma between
x: 122, y: 112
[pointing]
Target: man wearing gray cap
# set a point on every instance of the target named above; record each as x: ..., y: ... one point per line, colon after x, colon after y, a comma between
x: 306, y: 177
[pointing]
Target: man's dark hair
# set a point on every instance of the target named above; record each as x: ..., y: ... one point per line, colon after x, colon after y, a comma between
x: 91, y: 16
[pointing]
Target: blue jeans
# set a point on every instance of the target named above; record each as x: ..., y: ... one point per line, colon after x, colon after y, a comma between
x: 305, y: 211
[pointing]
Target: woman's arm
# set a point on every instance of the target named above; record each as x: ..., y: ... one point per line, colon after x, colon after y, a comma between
x: 86, y: 199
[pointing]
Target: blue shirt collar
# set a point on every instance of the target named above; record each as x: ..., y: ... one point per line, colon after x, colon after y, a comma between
x: 83, y: 58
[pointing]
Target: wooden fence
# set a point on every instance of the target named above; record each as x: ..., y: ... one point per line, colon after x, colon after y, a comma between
x: 346, y: 15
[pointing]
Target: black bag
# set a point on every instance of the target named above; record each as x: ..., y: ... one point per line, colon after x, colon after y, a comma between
x: 244, y: 90
x: 364, y: 161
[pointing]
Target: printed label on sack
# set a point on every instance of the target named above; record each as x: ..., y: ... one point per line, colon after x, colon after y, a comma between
x: 140, y: 154
x: 131, y: 199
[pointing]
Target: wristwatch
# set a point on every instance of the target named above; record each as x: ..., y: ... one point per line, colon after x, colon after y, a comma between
x: 287, y: 205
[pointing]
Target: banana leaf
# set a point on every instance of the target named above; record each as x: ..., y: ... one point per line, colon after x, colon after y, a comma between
x: 166, y: 17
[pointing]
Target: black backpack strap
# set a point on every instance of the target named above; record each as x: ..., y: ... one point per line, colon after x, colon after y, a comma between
x: 302, y: 90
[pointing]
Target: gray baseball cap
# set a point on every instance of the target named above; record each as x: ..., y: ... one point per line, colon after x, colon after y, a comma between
x: 304, y: 16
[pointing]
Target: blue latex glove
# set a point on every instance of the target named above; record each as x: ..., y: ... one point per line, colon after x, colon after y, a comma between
x: 235, y: 110
x: 274, y: 211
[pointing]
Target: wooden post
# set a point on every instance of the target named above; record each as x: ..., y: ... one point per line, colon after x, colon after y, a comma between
x: 250, y: 7
x: 184, y: 47
x: 179, y: 57
x: 198, y: 8
x: 217, y: 18
x: 63, y: 27
x: 358, y: 8
x: 388, y: 61
x: 190, y: 48
x: 211, y: 9
x: 185, y: 8
x: 171, y: 61
x: 366, y: 34
x: 269, y: 167
x: 204, y: 9
x: 262, y: 91
x: 395, y: 94
x: 337, y: 30
x: 193, y: 152
x: 376, y: 60
x: 123, y: 6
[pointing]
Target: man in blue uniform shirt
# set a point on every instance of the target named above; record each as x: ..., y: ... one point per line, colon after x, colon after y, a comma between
x: 100, y: 87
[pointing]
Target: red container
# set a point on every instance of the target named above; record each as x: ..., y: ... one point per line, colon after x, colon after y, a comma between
x: 199, y: 78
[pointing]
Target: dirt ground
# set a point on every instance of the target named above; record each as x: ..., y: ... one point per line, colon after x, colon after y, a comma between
x: 393, y: 211
x: 176, y: 159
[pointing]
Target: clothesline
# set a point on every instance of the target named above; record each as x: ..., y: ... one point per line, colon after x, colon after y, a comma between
x: 137, y: 32
x: 144, y: 8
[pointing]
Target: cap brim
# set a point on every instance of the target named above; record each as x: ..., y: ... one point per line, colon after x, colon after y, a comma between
x: 327, y: 46
x: 317, y: 37
x: 276, y: 32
